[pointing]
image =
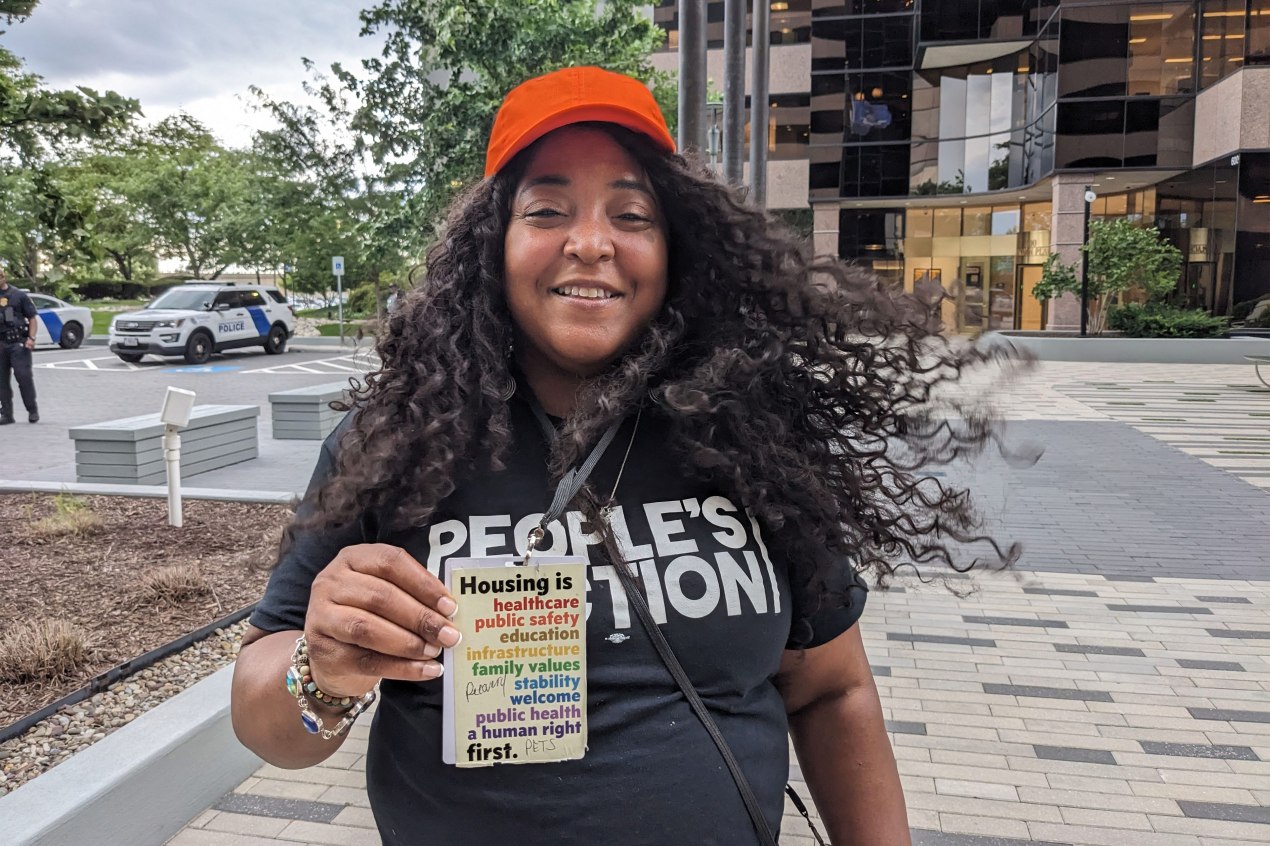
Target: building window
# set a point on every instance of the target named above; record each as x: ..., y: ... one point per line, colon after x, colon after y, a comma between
x: 877, y: 170
x: 788, y: 126
x: 1092, y: 50
x: 860, y: 107
x: 1222, y: 39
x: 1258, y: 32
x: 873, y: 238
x: 1161, y: 49
x: 1139, y: 49
x: 862, y: 43
x: 1091, y: 134
x: 968, y: 20
x: 789, y: 24
x: 837, y: 8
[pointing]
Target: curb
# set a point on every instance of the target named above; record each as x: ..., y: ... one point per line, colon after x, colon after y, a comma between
x: 137, y: 786
x: 150, y: 491
x: 1136, y: 350
x: 103, y: 681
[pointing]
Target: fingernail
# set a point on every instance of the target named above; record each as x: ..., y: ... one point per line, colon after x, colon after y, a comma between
x: 431, y: 650
x: 449, y: 636
x: 432, y: 669
x: 447, y: 606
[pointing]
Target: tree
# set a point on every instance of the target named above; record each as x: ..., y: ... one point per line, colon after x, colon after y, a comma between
x: 423, y: 108
x: 33, y: 122
x: 1122, y: 258
x: 199, y: 198
x: 110, y: 233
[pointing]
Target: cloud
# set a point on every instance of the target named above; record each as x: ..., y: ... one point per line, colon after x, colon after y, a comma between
x: 197, y: 55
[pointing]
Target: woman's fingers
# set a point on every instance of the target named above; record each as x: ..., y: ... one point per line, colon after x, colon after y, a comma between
x: 386, y: 600
x: 341, y: 660
x: 376, y: 612
x: 394, y: 564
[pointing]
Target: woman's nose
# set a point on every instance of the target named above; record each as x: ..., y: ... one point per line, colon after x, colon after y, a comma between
x: 590, y: 240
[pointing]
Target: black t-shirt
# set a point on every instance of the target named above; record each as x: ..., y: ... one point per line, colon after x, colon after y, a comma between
x: 651, y: 774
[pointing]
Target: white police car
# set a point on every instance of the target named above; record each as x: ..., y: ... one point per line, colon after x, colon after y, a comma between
x: 60, y: 322
x: 197, y: 319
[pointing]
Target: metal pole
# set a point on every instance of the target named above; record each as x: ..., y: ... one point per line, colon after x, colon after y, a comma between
x: 339, y: 299
x: 761, y: 46
x: 172, y: 459
x: 734, y: 91
x: 1084, y: 270
x: 692, y: 75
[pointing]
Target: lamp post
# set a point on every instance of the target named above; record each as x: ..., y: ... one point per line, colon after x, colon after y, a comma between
x: 1090, y: 196
x: 714, y: 132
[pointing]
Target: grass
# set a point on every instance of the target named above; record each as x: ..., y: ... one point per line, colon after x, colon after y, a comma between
x: 175, y: 584
x: 71, y: 517
x: 42, y: 650
x: 332, y: 330
x: 106, y: 310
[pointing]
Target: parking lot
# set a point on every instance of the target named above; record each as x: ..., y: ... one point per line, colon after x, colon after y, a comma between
x: 91, y: 385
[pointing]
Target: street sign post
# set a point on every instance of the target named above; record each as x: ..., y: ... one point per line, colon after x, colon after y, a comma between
x: 337, y: 267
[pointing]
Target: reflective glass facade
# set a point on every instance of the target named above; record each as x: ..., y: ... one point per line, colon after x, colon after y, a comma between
x: 938, y: 130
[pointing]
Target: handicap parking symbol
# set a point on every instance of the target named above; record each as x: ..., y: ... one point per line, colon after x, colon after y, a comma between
x: 207, y: 368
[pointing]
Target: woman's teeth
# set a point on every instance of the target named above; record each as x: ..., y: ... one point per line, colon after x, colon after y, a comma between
x: 585, y: 293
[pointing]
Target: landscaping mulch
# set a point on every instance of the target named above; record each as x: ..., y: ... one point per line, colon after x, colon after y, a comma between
x: 96, y: 578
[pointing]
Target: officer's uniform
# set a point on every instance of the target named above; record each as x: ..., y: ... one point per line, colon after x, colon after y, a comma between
x: 16, y: 313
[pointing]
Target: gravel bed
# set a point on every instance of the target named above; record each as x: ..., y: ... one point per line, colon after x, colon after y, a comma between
x: 54, y: 740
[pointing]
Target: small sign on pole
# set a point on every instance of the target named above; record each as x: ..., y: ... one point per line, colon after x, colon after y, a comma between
x: 337, y: 267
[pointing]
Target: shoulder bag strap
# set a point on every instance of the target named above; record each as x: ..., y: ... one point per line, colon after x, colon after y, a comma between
x: 636, y: 598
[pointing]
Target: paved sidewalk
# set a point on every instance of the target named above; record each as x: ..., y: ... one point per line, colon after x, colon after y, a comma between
x: 1048, y: 708
x: 1114, y: 689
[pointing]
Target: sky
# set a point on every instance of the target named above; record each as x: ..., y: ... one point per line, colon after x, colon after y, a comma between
x: 199, y: 56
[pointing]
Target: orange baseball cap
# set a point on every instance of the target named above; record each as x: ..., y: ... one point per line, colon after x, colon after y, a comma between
x: 572, y: 95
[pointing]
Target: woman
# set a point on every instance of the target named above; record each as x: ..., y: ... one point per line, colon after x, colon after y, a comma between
x: 767, y: 438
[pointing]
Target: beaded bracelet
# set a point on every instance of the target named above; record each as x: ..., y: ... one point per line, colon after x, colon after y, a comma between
x: 300, y: 684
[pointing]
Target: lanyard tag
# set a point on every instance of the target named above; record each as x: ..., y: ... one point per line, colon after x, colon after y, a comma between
x: 514, y: 689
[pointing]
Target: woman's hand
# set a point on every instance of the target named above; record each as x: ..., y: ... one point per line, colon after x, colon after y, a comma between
x: 375, y: 612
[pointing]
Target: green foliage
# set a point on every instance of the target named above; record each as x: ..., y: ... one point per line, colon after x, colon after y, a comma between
x: 1056, y: 279
x: 1159, y: 320
x: 1122, y: 257
x: 360, y: 302
x: 426, y: 104
x: 34, y: 123
x: 956, y: 185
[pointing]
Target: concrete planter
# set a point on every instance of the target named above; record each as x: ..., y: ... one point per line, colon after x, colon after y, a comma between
x: 1138, y: 350
x: 141, y: 784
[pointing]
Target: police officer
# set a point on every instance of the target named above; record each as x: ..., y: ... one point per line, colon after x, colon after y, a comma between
x: 17, y: 340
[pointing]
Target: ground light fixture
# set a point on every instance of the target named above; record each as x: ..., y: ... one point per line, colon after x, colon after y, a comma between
x: 178, y: 404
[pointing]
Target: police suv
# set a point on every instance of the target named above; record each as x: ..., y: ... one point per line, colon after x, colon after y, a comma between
x: 197, y: 319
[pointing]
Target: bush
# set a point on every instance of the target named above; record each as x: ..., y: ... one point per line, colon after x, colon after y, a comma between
x: 175, y: 584
x: 1156, y: 320
x: 42, y: 650
x: 71, y: 517
x: 361, y: 302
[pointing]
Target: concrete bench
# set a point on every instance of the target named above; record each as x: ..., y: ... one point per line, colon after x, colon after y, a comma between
x: 1259, y: 361
x: 130, y: 451
x: 305, y: 413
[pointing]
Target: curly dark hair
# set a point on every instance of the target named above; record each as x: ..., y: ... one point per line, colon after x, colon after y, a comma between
x: 804, y: 387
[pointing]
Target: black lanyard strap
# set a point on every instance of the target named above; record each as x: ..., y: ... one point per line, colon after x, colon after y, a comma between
x: 572, y: 481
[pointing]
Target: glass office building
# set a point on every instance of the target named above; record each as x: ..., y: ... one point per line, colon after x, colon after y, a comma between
x: 953, y: 141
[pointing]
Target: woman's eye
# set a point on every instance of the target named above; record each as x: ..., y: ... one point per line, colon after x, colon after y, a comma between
x: 542, y: 213
x: 634, y: 217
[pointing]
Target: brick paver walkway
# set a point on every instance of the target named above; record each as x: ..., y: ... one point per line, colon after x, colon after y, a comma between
x: 1114, y: 689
